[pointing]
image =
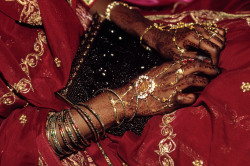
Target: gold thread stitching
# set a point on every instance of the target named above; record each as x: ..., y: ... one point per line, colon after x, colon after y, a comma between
x: 197, y: 163
x: 23, y: 119
x: 245, y: 86
x: 166, y: 145
x: 31, y: 60
x: 30, y: 13
x: 200, y: 16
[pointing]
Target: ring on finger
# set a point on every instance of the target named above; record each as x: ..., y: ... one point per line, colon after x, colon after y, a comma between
x: 180, y: 71
x: 213, y: 34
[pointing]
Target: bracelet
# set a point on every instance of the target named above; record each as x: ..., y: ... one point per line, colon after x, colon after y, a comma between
x: 88, y: 121
x: 63, y: 135
x: 111, y: 6
x: 59, y: 150
x: 48, y: 128
x: 83, y: 140
x: 113, y: 104
x: 97, y: 117
x: 69, y: 132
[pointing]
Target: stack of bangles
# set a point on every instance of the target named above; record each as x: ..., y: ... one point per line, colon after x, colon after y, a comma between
x: 64, y: 122
x: 71, y: 136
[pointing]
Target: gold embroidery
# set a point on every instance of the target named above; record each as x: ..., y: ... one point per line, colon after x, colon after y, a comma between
x: 32, y: 59
x: 57, y: 62
x: 248, y: 21
x: 41, y: 161
x: 77, y: 159
x: 30, y: 13
x: 23, y: 86
x: 200, y: 111
x: 197, y: 163
x: 200, y: 16
x: 190, y: 152
x: 8, y: 98
x: 23, y: 119
x: 166, y: 145
x: 245, y: 86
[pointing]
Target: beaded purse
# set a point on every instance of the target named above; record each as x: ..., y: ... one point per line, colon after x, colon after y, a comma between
x: 108, y: 57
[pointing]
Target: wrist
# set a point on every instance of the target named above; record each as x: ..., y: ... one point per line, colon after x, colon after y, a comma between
x: 128, y: 96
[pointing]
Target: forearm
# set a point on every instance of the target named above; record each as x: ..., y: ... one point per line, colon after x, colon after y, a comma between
x: 72, y: 129
x: 129, y: 20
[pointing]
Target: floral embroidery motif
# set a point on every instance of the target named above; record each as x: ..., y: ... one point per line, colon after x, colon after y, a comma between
x: 8, y: 98
x: 57, y: 62
x: 197, y: 163
x: 245, y: 86
x: 23, y: 119
x: 200, y: 16
x: 31, y: 60
x: 23, y: 86
x: 30, y: 13
x: 78, y: 159
x: 166, y: 145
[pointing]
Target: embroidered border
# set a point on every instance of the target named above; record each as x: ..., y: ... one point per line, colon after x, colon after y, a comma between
x: 200, y: 16
x: 166, y: 145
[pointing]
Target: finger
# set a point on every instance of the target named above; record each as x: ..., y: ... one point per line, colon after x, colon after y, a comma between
x: 185, y: 99
x: 191, y: 81
x: 222, y: 31
x: 212, y: 35
x: 199, y: 66
x: 186, y: 67
x: 189, y: 54
x: 216, y: 40
x: 211, y: 48
x: 205, y: 45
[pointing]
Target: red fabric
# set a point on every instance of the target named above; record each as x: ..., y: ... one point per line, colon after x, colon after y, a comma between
x: 33, y: 49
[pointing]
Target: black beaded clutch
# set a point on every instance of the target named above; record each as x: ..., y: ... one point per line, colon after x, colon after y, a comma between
x: 108, y: 57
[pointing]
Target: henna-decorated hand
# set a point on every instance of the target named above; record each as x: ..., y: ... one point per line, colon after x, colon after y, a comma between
x: 189, y: 41
x: 160, y: 89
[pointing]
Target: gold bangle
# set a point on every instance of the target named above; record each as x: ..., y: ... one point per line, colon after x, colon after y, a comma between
x: 63, y: 134
x: 97, y: 117
x: 111, y: 6
x: 114, y: 103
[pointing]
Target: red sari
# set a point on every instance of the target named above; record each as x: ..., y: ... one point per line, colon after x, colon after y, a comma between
x: 214, y: 131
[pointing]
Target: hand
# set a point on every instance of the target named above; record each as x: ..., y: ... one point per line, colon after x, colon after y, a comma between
x: 160, y: 89
x: 190, y: 41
